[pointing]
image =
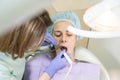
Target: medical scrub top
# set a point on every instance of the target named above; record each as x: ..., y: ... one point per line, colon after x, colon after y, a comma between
x: 11, y: 69
x: 80, y: 70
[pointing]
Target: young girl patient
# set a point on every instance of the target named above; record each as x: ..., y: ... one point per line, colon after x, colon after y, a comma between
x: 57, y: 66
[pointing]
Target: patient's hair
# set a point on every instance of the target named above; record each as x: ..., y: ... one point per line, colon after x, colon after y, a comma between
x: 27, y: 36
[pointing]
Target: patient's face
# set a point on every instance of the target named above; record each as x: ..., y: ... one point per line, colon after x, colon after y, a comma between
x: 63, y: 37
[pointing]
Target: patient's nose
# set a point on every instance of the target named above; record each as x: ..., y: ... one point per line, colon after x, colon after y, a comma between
x: 63, y: 39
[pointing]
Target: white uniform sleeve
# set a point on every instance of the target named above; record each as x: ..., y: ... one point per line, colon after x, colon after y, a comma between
x: 5, y: 72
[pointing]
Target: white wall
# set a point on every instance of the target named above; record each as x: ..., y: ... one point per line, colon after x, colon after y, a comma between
x: 107, y: 50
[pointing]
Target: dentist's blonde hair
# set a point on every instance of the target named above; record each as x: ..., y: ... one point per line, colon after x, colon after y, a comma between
x: 27, y: 36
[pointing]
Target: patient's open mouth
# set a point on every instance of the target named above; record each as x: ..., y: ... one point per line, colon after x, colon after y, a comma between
x: 63, y: 47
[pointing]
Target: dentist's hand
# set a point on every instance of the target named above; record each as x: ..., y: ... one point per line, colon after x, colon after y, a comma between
x: 49, y: 40
x: 56, y: 64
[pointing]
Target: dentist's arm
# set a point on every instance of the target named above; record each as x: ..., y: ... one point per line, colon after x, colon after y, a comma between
x: 56, y: 64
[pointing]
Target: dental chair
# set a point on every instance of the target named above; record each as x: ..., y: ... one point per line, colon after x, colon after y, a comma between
x: 84, y: 54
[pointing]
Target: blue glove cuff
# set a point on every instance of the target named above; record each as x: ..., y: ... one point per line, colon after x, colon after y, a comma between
x: 49, y: 72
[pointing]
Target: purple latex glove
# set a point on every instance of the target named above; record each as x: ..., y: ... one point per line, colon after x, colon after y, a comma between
x: 49, y: 40
x: 56, y: 64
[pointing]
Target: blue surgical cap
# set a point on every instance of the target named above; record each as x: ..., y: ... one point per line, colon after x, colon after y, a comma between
x: 68, y: 16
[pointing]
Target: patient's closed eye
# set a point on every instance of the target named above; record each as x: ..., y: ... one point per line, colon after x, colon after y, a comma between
x: 57, y: 33
x: 69, y: 34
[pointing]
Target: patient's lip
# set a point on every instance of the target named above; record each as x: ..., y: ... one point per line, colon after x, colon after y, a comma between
x: 63, y: 47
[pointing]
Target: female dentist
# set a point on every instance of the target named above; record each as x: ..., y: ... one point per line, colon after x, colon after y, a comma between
x: 18, y: 41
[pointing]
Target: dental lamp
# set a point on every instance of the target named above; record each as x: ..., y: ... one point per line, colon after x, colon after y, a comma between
x: 104, y: 20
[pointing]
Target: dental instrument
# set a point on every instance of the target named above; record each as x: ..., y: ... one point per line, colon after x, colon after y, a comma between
x: 70, y: 63
x: 40, y: 51
x: 94, y: 34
